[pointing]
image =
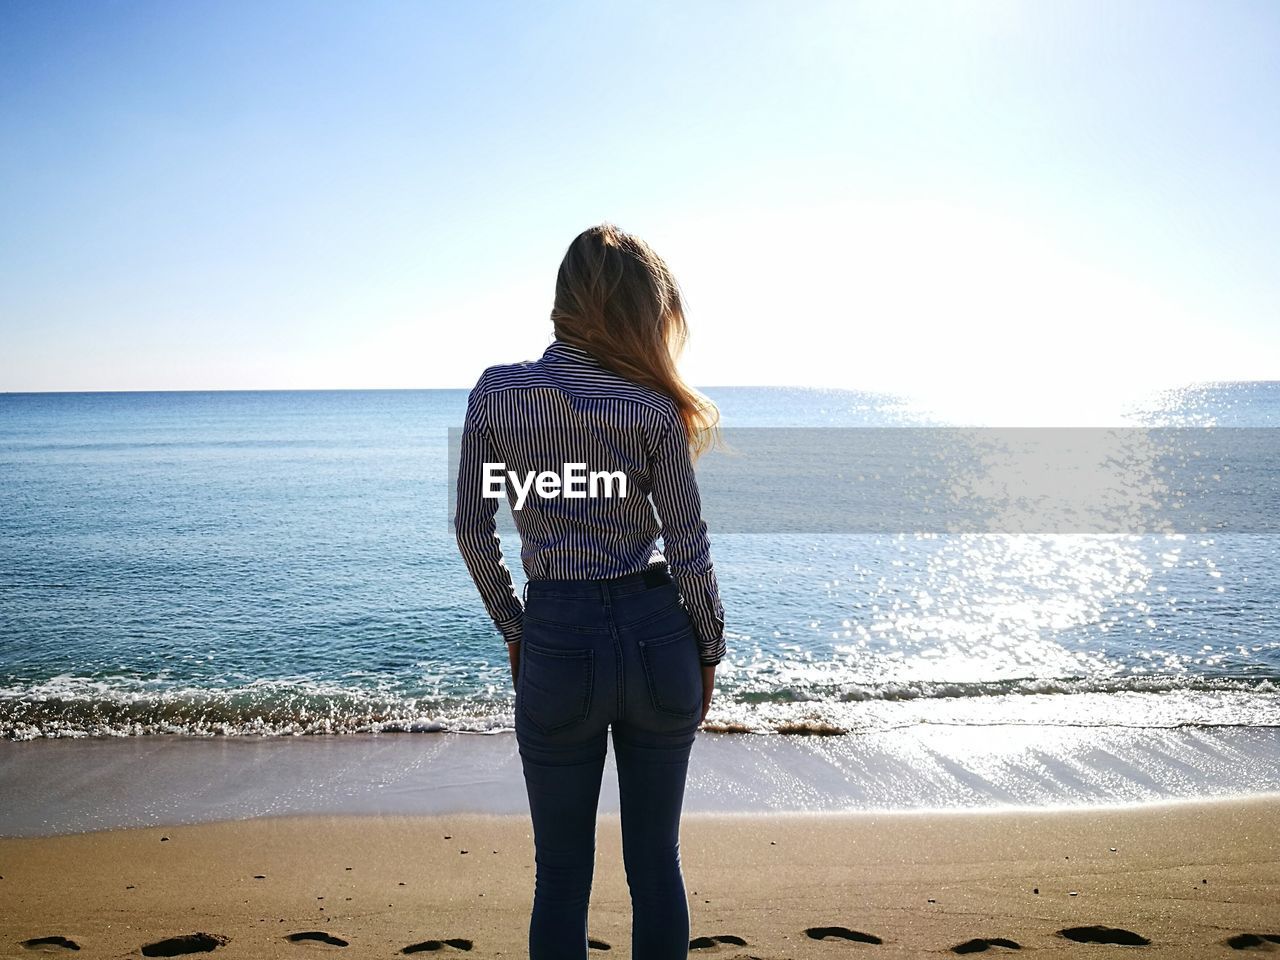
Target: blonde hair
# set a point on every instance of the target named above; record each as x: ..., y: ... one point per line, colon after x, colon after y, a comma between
x: 617, y: 300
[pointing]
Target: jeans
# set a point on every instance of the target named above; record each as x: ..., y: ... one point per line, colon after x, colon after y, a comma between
x: 597, y: 654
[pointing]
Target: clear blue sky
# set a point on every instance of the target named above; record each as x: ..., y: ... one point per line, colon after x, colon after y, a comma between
x: 277, y: 194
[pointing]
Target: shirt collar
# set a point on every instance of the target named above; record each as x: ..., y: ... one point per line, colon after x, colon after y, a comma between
x: 561, y: 351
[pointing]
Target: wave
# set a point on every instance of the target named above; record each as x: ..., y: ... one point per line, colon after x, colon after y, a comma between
x: 85, y: 707
x: 1016, y: 686
x: 69, y: 706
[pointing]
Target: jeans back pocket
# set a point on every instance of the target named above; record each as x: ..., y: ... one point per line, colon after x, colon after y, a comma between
x: 554, y: 686
x: 671, y: 668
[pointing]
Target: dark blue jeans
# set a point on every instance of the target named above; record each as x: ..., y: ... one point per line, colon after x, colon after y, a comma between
x: 600, y: 654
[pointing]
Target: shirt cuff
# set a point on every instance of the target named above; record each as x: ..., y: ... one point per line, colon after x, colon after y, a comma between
x: 512, y: 630
x: 709, y: 654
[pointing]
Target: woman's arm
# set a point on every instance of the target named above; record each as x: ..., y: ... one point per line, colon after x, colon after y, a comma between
x: 684, y: 538
x: 475, y: 525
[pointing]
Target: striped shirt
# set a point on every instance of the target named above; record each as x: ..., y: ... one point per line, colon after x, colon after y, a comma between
x: 568, y: 409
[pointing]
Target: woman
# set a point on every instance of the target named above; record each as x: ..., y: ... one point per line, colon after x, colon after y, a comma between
x: 613, y: 633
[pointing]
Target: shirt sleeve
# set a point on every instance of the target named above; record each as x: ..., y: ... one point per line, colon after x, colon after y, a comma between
x: 475, y: 523
x: 684, y: 538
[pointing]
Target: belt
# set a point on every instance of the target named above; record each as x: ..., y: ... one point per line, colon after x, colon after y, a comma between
x: 655, y: 575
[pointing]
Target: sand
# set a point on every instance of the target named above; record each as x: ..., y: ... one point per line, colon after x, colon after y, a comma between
x: 1186, y: 876
x: 68, y: 785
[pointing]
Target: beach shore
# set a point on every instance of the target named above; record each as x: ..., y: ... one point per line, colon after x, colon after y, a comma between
x: 71, y: 785
x: 1190, y: 877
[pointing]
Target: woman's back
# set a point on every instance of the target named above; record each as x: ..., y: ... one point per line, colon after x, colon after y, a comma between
x: 568, y: 417
x: 577, y: 451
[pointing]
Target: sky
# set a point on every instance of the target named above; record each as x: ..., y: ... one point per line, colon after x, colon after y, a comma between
x: 1013, y: 200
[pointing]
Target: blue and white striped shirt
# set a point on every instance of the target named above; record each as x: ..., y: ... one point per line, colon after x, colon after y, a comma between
x: 567, y: 408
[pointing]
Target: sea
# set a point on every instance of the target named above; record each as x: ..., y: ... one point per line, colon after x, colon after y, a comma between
x: 279, y: 565
x: 201, y: 564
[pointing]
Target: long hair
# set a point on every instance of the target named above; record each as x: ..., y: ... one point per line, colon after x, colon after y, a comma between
x: 617, y: 300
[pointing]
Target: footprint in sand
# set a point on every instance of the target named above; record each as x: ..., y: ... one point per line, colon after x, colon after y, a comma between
x: 50, y: 944
x: 457, y: 943
x: 190, y: 943
x: 1253, y: 941
x: 319, y: 936
x: 841, y: 933
x: 594, y: 944
x: 979, y: 944
x: 709, y: 943
x: 1114, y: 935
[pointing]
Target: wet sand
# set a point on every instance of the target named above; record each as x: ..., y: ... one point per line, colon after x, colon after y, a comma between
x: 1181, y: 879
x: 51, y: 786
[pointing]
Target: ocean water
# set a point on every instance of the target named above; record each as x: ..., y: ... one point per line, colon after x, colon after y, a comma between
x: 280, y: 563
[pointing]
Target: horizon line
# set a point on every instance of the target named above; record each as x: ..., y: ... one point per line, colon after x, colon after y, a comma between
x: 722, y: 386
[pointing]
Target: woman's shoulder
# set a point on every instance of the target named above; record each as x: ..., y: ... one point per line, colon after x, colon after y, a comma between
x: 658, y: 401
x: 501, y: 375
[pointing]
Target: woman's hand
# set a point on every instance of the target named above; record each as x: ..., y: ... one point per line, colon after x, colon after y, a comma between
x: 513, y: 654
x: 708, y: 689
